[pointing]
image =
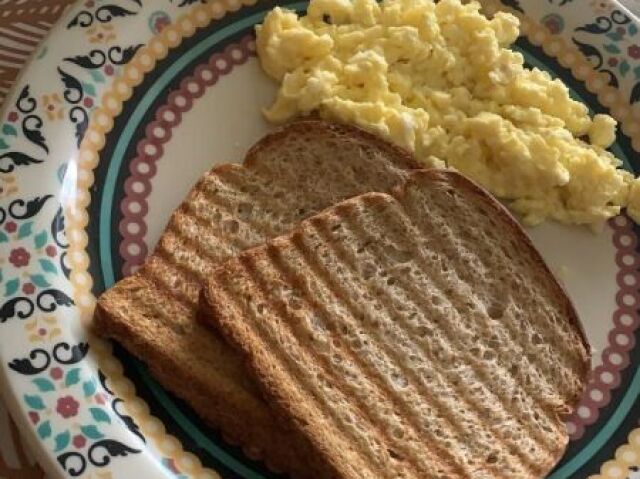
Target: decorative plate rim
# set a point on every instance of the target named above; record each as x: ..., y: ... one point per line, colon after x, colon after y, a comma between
x: 101, y: 121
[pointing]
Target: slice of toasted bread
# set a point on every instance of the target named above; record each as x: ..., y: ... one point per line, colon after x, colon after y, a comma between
x: 418, y: 335
x: 287, y: 176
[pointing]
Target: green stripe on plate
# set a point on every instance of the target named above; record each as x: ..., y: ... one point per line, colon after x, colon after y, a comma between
x: 196, y: 434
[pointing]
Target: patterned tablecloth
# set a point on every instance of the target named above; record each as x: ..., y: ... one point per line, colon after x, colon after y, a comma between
x: 23, y: 25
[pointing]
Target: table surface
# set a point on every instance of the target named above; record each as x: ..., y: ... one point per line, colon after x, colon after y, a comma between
x: 23, y: 25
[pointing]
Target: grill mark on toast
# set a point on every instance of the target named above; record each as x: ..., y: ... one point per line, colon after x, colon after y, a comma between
x: 418, y: 383
x: 354, y: 311
x: 360, y: 231
x: 260, y: 194
x: 224, y: 305
x: 303, y: 352
x: 200, y: 265
x: 343, y: 386
x: 242, y: 269
x: 574, y: 363
x: 507, y: 327
x: 217, y: 249
x: 401, y: 219
x: 404, y: 222
x: 183, y: 270
x: 159, y: 281
x: 314, y: 292
x: 464, y: 239
x: 376, y: 387
x: 228, y: 227
x: 160, y: 314
x: 212, y: 195
x: 263, y: 153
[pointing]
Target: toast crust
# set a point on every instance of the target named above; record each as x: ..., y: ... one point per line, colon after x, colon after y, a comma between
x: 402, y: 158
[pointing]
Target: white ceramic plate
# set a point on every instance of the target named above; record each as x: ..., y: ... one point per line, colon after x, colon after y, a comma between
x: 119, y: 146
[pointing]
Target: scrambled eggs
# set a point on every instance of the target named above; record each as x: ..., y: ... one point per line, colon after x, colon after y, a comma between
x: 440, y: 80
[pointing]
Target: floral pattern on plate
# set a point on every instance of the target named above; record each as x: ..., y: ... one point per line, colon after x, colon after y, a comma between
x: 70, y: 410
x: 55, y: 381
x: 58, y: 390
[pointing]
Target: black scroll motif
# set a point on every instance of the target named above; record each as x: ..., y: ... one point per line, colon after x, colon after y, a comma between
x: 590, y: 52
x: 101, y: 452
x: 31, y: 126
x: 601, y: 25
x: 19, y: 306
x: 64, y: 353
x: 121, y: 56
x: 11, y: 159
x: 605, y: 24
x: 127, y: 420
x: 103, y: 381
x: 92, y: 60
x: 184, y: 3
x: 104, y: 14
x: 80, y: 119
x: 26, y: 103
x: 57, y: 229
x: 73, y: 463
x: 73, y: 91
x: 29, y: 366
x: 49, y: 300
x: 21, y: 210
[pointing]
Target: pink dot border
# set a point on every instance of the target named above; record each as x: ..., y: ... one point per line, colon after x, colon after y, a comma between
x: 621, y: 339
x: 133, y: 228
x: 137, y: 187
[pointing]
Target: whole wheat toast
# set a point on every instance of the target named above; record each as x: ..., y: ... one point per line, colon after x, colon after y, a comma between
x: 287, y: 176
x: 418, y: 335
